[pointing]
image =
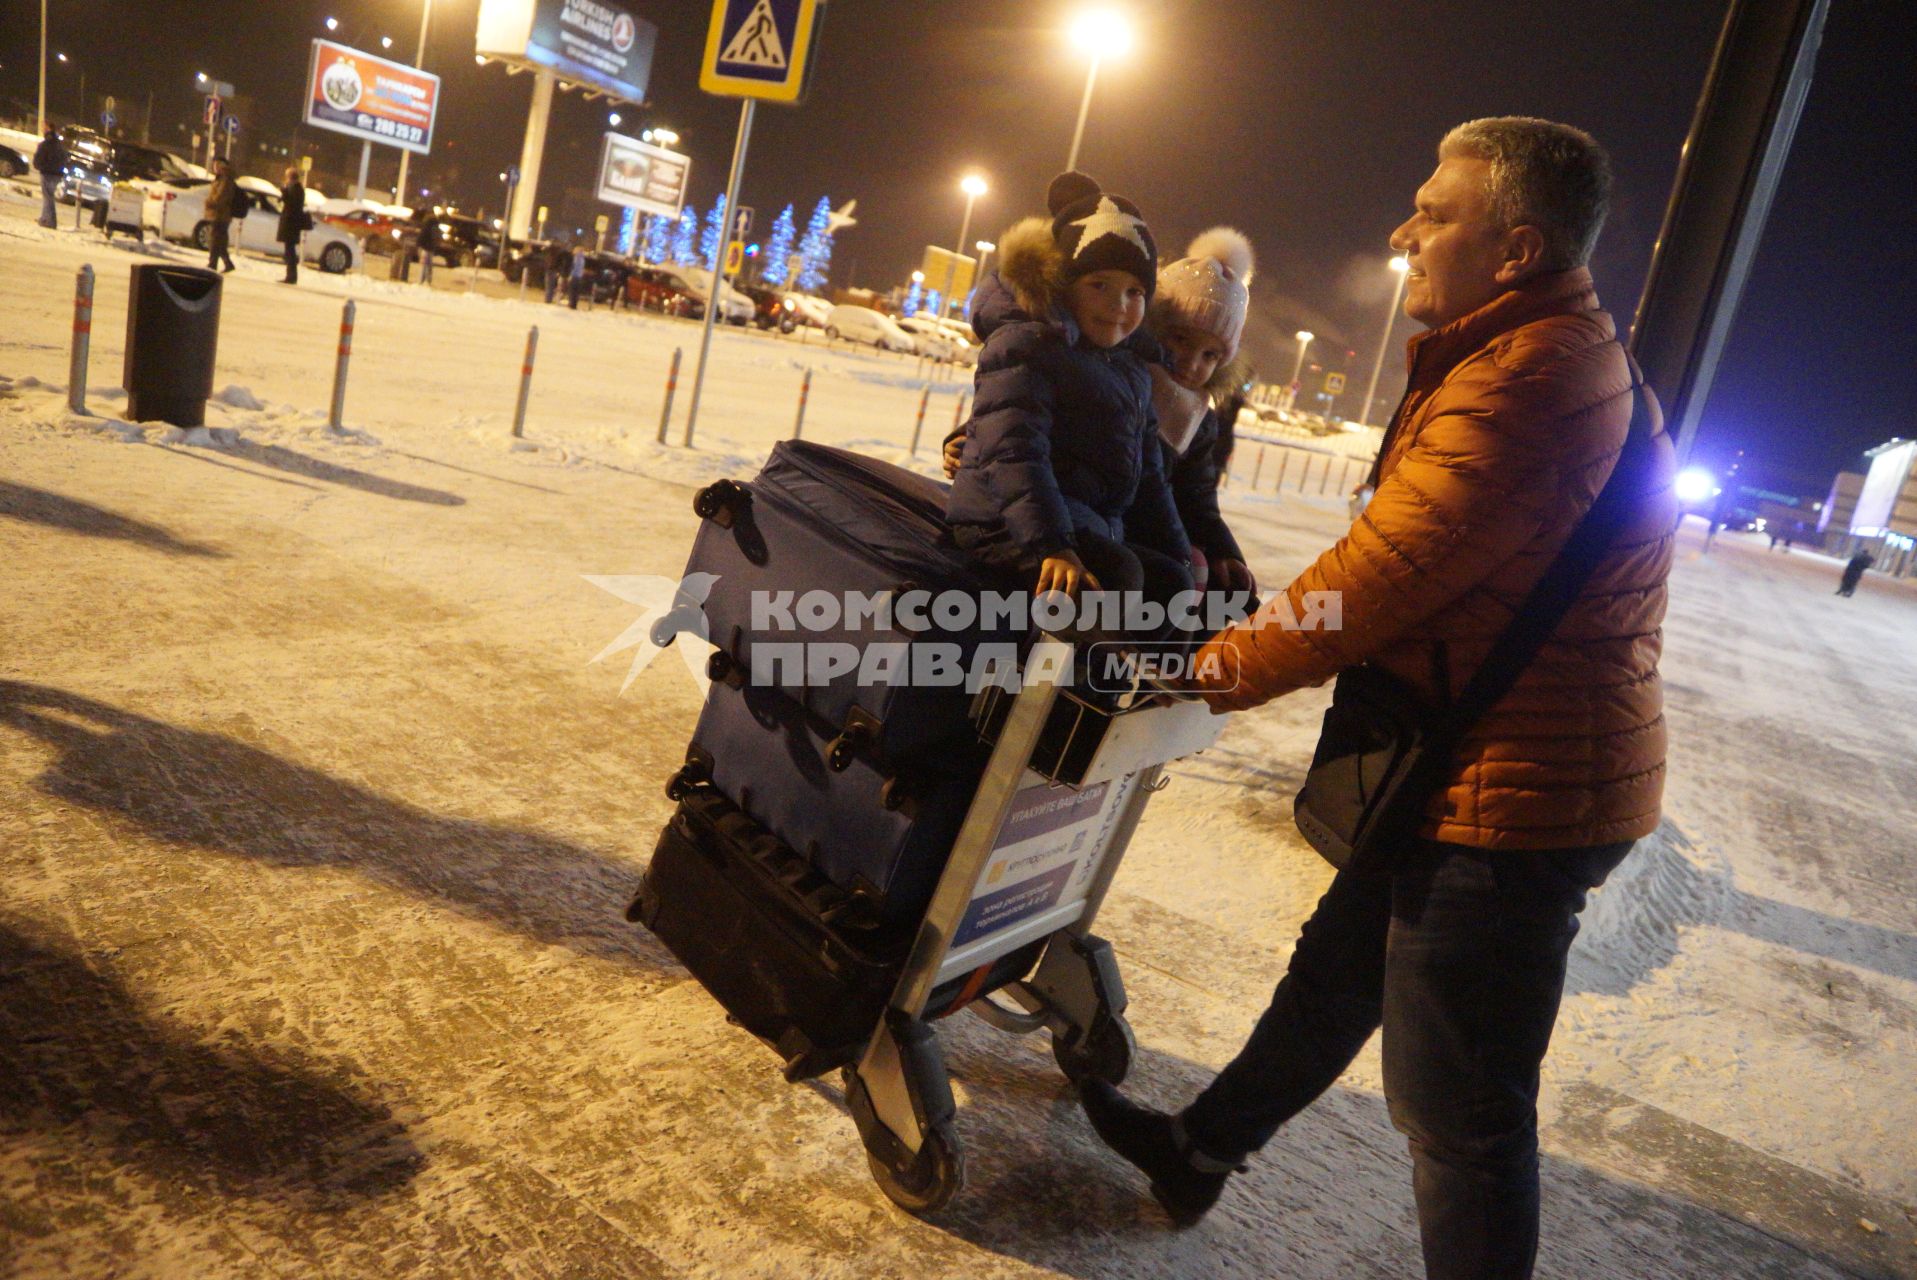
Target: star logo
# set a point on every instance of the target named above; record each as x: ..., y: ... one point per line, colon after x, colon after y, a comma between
x: 1110, y: 220
x: 672, y: 615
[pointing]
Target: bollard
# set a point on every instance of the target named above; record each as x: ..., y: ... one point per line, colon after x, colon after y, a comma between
x: 672, y: 385
x: 525, y: 381
x: 1304, y: 473
x: 919, y: 426
x: 1258, y: 469
x: 334, y: 419
x: 958, y: 410
x: 805, y: 389
x: 1344, y: 477
x: 1325, y: 483
x: 1284, y: 465
x: 82, y: 340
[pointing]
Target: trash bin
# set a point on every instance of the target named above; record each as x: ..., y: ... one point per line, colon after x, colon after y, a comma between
x: 172, y: 333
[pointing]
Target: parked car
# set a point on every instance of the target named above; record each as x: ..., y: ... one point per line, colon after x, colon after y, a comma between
x: 734, y: 307
x: 463, y: 240
x: 664, y: 290
x: 771, y: 309
x: 332, y: 248
x: 863, y: 324
x: 809, y: 310
x: 16, y: 152
x: 378, y: 231
x: 96, y: 163
x: 932, y: 339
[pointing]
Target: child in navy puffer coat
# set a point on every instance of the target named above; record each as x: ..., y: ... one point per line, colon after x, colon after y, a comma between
x: 1062, y: 476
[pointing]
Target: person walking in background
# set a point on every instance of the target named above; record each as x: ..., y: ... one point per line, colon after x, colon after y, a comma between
x: 558, y: 264
x: 1454, y: 937
x: 428, y: 246
x: 294, y: 223
x: 50, y: 162
x: 219, y: 215
x: 1854, y: 573
x: 576, y: 276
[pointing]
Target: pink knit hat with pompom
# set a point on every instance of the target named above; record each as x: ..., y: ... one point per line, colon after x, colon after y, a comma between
x: 1207, y: 290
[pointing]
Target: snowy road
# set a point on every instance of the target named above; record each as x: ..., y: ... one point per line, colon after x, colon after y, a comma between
x: 318, y: 824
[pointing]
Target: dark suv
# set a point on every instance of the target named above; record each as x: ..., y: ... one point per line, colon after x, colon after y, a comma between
x: 463, y: 241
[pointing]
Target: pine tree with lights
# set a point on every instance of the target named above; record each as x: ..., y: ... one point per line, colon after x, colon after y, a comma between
x: 685, y: 233
x: 816, y: 248
x: 658, y: 237
x: 778, y: 249
x: 712, y: 241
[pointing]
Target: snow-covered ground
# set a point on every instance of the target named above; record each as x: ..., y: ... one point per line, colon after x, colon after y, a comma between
x: 319, y: 822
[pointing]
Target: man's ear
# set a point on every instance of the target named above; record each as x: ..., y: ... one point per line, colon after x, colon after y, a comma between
x: 1523, y: 254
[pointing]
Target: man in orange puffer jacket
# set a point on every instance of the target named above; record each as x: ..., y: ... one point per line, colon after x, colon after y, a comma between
x: 1518, y: 405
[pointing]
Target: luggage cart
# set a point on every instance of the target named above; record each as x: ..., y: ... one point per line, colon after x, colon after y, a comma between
x: 1063, y: 791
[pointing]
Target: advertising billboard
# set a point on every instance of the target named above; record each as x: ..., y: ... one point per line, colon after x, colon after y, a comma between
x: 370, y: 98
x: 641, y: 176
x: 592, y: 43
x: 1890, y: 466
x: 937, y: 262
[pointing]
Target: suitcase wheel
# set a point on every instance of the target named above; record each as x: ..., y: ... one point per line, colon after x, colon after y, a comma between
x: 721, y: 502
x: 854, y: 738
x: 927, y: 1181
x: 1103, y: 1053
x: 689, y: 775
x: 894, y: 795
x: 722, y: 669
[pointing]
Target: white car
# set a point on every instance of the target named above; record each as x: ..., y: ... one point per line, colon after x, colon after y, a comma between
x: 863, y: 324
x: 184, y: 218
x: 16, y: 152
x: 734, y: 307
x: 963, y: 338
x: 931, y: 337
x: 807, y: 309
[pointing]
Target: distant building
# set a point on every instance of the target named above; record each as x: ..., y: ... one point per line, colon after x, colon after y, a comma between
x: 1834, y: 520
x: 1883, y: 518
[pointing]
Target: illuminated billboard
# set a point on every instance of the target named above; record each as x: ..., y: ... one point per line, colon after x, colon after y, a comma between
x: 641, y: 176
x: 591, y: 43
x: 370, y: 98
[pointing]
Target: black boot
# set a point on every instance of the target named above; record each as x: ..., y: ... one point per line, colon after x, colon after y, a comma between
x: 1185, y: 1182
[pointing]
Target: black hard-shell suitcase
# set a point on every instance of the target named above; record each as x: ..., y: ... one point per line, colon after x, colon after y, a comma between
x: 793, y: 958
x: 883, y: 837
x: 828, y: 520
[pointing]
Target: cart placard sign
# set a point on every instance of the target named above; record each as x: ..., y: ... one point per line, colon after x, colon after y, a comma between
x: 370, y: 98
x: 1048, y: 845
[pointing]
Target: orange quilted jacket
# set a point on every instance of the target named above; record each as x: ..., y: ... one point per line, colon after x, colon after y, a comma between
x: 1512, y: 422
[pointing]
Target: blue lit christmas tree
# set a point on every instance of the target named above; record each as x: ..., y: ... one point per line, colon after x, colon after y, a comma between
x: 658, y: 238
x: 913, y: 297
x: 685, y: 233
x: 712, y: 241
x: 816, y: 248
x: 778, y: 248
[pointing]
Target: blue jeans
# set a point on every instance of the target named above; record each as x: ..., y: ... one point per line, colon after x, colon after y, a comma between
x: 1459, y: 954
x: 49, y: 216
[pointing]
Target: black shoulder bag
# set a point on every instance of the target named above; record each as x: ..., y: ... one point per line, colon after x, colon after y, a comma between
x: 1383, y: 754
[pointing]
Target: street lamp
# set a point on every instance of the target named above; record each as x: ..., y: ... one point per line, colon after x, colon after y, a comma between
x: 1402, y: 266
x: 663, y: 137
x: 332, y: 24
x: 973, y: 186
x: 385, y: 42
x: 984, y: 248
x: 1304, y: 337
x: 1101, y: 33
x: 425, y: 19
x: 613, y: 119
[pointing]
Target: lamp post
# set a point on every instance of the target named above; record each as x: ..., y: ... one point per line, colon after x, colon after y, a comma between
x: 1402, y: 266
x: 43, y: 68
x: 973, y: 186
x: 1100, y: 32
x: 984, y: 248
x: 425, y: 17
x: 1304, y: 337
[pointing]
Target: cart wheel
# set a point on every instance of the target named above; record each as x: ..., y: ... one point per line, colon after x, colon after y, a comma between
x: 719, y: 502
x: 931, y: 1179
x: 1104, y: 1053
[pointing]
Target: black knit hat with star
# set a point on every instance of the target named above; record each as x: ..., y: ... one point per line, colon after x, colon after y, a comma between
x: 1097, y: 231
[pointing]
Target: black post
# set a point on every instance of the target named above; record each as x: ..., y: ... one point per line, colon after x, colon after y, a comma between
x: 1740, y: 136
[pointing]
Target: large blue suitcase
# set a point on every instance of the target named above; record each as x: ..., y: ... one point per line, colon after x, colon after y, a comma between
x: 880, y: 835
x: 819, y: 519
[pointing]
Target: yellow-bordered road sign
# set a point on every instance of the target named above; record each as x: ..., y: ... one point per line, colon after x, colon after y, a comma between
x: 1334, y: 383
x: 760, y: 48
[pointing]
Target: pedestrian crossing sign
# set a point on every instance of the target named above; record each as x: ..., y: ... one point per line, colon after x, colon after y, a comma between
x: 760, y: 48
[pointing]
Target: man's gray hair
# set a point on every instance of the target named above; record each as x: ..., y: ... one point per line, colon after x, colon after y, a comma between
x: 1545, y: 175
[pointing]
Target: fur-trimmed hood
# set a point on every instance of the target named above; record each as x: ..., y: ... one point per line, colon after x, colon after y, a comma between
x: 1030, y: 264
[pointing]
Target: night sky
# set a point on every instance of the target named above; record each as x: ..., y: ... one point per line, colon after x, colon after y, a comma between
x: 1307, y: 123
